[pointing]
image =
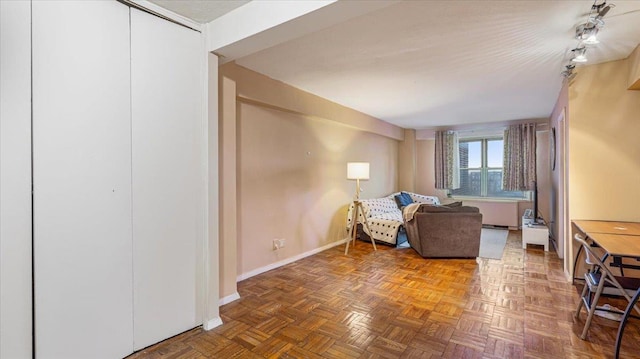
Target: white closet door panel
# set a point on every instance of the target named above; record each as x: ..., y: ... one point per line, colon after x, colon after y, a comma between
x: 167, y: 176
x: 15, y: 179
x: 82, y: 179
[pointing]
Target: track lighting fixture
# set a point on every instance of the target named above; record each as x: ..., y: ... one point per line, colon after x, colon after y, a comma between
x: 579, y: 54
x: 588, y: 31
x: 587, y: 35
x: 601, y: 10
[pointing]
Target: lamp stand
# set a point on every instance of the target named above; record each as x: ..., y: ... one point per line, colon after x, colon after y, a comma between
x: 357, y: 208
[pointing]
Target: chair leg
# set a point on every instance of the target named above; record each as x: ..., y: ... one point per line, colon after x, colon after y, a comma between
x: 581, y: 303
x: 592, y: 308
x: 584, y: 292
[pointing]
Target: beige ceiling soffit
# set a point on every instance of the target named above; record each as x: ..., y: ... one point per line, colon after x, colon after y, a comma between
x: 163, y: 13
x: 254, y: 102
x: 235, y: 35
x: 220, y: 56
x: 542, y: 124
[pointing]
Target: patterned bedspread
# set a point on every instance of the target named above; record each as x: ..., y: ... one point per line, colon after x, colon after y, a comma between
x: 383, y: 216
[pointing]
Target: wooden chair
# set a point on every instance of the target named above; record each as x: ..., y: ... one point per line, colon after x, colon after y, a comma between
x: 597, y: 277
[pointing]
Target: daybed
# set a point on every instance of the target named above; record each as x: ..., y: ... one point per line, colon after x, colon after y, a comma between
x: 384, y: 216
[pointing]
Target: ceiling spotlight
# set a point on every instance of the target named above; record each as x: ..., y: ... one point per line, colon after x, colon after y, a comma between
x: 579, y: 54
x: 602, y: 9
x: 568, y: 73
x: 587, y: 33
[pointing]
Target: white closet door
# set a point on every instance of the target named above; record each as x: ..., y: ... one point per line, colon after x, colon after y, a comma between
x: 82, y: 179
x: 167, y: 176
x: 15, y: 179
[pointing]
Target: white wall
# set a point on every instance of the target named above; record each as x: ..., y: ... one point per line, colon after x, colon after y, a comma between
x: 15, y: 179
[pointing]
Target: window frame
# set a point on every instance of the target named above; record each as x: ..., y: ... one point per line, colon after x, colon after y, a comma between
x: 484, y: 171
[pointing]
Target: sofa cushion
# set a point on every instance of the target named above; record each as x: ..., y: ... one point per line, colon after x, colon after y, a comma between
x: 428, y: 208
x: 453, y: 205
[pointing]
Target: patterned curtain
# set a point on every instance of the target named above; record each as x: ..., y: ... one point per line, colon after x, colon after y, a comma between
x: 447, y: 161
x: 519, y: 170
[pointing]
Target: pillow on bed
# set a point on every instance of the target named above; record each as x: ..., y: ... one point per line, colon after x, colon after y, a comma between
x: 403, y: 199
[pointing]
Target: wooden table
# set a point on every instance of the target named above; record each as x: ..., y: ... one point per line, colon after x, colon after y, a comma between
x: 611, y: 227
x: 618, y: 239
x: 620, y: 245
x: 589, y: 227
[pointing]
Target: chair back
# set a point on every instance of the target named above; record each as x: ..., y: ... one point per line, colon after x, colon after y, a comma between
x: 591, y: 258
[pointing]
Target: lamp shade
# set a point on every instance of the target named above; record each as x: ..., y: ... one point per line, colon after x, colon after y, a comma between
x: 358, y: 170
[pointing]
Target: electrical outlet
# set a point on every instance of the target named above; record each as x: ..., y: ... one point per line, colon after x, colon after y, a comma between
x: 278, y: 243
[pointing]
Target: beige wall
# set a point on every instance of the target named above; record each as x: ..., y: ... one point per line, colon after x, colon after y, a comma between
x: 425, y: 175
x: 227, y: 187
x: 291, y: 168
x: 407, y: 162
x: 604, y: 148
x: 292, y: 181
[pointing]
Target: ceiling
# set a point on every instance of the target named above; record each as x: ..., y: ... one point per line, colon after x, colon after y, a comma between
x: 425, y: 64
x: 201, y: 11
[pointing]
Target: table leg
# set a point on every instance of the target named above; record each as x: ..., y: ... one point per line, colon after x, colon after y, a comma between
x: 575, y: 263
x: 624, y: 320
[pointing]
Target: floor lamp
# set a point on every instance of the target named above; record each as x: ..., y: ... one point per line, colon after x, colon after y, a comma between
x: 358, y: 171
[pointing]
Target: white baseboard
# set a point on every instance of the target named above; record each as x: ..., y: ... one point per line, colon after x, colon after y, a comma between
x: 228, y: 299
x: 212, y: 323
x: 283, y: 262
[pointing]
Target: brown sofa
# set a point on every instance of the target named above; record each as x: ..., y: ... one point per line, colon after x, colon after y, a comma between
x: 445, y: 232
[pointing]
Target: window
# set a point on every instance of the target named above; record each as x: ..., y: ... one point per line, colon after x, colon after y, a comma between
x: 481, y: 162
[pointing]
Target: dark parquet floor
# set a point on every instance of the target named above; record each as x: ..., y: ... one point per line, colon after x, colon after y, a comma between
x: 394, y: 304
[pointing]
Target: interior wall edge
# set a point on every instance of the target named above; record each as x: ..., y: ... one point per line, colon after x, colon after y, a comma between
x: 228, y: 177
x: 212, y: 323
x: 211, y: 252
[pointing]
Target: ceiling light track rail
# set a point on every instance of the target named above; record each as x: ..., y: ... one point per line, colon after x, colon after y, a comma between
x: 586, y: 34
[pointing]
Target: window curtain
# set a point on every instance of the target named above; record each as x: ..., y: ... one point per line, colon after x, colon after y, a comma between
x: 447, y: 160
x: 519, y: 171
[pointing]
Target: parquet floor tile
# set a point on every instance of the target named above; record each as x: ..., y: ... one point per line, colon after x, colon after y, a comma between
x: 394, y: 304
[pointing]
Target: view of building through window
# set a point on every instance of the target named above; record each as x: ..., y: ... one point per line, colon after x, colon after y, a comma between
x: 481, y: 162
